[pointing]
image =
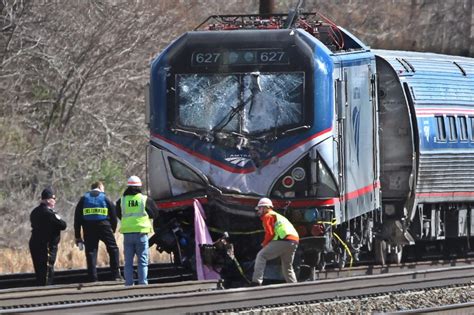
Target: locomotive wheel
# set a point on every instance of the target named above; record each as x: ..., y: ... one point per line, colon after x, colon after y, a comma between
x: 370, y: 245
x: 396, y: 255
x: 321, y: 261
x: 380, y: 252
x: 369, y: 236
x: 341, y: 257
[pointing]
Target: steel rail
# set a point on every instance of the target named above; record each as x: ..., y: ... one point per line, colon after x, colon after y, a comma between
x: 157, y: 273
x: 281, y: 294
x: 11, y: 299
x: 379, y: 269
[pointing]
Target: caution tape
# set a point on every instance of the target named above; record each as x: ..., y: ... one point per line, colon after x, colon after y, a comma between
x: 216, y: 230
x: 235, y: 233
x: 345, y: 247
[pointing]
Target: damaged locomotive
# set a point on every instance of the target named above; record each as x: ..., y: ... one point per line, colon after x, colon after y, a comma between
x: 365, y: 151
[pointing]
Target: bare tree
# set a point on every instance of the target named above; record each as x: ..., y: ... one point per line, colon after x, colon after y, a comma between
x: 72, y: 107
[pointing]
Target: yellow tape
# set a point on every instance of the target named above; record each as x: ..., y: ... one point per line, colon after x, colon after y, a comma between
x: 235, y: 233
x: 222, y: 231
x: 332, y: 222
x: 346, y: 248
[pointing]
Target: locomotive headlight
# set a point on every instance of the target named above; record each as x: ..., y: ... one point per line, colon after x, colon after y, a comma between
x: 233, y: 57
x: 288, y: 181
x: 249, y: 56
x: 389, y: 209
x: 298, y: 173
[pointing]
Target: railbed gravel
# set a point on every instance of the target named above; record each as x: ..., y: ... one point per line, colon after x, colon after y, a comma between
x: 400, y: 301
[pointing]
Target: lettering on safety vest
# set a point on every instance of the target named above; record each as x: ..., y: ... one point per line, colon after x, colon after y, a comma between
x: 92, y: 211
x: 133, y: 203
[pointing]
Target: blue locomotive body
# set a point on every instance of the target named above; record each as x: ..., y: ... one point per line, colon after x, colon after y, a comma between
x: 250, y: 109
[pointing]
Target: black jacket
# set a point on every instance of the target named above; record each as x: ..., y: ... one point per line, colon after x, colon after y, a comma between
x: 46, y: 225
x: 79, y: 218
x: 150, y: 206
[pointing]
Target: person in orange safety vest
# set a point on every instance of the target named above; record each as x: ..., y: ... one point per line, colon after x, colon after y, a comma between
x: 281, y: 240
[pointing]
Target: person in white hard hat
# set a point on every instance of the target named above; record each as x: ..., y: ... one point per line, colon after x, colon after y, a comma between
x: 281, y: 240
x: 135, y: 211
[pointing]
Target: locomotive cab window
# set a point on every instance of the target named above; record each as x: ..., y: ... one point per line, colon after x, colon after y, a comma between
x: 245, y: 103
x: 182, y: 172
x: 441, y: 136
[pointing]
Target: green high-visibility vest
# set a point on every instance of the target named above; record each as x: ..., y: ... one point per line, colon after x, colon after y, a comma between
x: 134, y: 216
x: 283, y: 227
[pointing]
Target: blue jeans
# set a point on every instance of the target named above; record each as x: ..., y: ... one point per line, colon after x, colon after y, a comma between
x: 136, y: 244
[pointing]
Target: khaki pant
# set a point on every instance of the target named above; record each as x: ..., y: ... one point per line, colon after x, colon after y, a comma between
x: 283, y: 249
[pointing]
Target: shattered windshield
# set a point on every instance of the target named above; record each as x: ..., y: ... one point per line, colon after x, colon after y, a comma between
x: 243, y: 103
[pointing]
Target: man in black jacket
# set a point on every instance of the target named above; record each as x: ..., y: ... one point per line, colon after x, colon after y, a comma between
x: 96, y: 215
x: 46, y: 227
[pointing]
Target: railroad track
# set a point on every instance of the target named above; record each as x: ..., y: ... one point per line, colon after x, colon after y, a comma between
x: 32, y: 299
x: 393, y: 268
x: 157, y: 273
x: 167, y: 272
x: 192, y: 297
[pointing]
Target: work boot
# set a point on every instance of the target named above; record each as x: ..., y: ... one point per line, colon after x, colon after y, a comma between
x: 117, y: 277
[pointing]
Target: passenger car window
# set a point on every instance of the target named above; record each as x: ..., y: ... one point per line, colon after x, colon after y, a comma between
x: 441, y: 128
x: 463, y: 128
x: 472, y: 128
x: 453, y: 132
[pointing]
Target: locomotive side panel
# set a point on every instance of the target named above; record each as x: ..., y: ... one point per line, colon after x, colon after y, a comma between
x: 360, y: 179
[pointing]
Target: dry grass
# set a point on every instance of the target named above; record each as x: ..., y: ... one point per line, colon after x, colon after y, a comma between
x: 69, y: 256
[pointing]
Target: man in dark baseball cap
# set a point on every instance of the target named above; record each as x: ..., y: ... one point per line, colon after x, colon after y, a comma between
x: 47, y: 194
x: 46, y: 226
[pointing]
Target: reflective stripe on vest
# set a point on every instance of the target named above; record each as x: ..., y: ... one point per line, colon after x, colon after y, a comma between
x: 95, y: 208
x: 282, y: 227
x: 134, y: 216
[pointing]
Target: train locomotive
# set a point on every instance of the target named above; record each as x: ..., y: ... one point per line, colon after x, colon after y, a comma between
x: 365, y: 151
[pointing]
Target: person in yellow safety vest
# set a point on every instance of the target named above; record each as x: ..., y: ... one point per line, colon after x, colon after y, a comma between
x: 281, y: 240
x: 135, y: 211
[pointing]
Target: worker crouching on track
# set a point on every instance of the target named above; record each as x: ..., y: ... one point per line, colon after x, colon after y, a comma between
x: 281, y: 240
x: 135, y: 211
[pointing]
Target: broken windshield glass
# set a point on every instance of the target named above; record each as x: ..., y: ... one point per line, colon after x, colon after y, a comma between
x: 203, y: 98
x: 246, y: 103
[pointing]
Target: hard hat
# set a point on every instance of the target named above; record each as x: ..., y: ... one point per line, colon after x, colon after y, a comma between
x: 134, y: 181
x: 264, y: 202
